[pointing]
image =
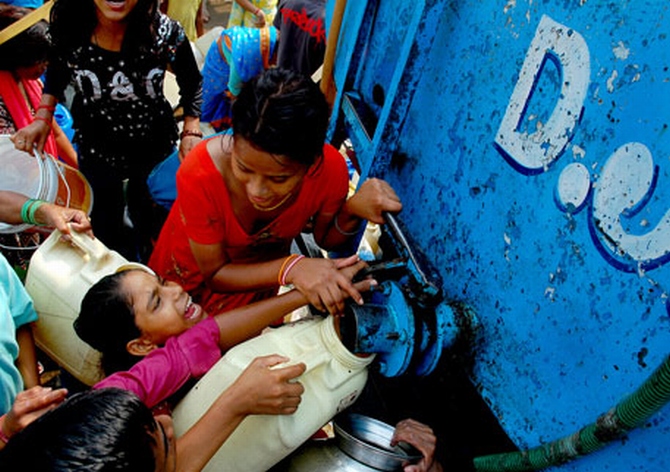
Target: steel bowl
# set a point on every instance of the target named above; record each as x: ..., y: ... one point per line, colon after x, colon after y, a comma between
x: 369, y: 441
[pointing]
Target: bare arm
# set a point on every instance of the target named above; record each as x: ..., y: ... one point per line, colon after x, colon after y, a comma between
x: 224, y: 276
x: 35, y: 134
x: 65, y: 148
x: 47, y: 214
x: 28, y: 406
x: 317, y: 278
x: 189, y: 141
x: 420, y: 436
x: 243, y: 323
x: 26, y: 362
x: 10, y: 207
x: 251, y: 8
x: 373, y: 198
x: 201, y: 18
x: 258, y: 390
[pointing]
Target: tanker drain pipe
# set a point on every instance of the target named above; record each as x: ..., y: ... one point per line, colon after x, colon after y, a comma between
x: 628, y: 414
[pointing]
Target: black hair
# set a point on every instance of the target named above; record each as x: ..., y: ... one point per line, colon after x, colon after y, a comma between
x: 106, y: 322
x: 72, y: 23
x: 27, y: 48
x: 99, y: 430
x: 283, y: 113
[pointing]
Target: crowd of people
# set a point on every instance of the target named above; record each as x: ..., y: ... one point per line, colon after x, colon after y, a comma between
x: 209, y: 270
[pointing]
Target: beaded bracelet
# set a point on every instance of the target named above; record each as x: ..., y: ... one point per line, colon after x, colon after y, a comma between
x: 345, y: 233
x: 190, y: 132
x: 3, y: 437
x: 290, y: 266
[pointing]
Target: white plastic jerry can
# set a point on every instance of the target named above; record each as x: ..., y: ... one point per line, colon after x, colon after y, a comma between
x: 59, y: 275
x: 333, y: 381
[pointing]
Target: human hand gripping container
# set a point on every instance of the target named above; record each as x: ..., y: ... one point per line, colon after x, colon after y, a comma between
x: 334, y: 379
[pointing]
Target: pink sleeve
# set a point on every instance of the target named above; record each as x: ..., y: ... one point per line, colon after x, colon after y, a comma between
x: 165, y: 370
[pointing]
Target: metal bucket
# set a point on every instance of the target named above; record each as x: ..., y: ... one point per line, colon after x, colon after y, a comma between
x: 44, y: 178
x: 361, y: 444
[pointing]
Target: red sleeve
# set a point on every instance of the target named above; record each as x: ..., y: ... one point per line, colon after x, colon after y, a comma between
x: 201, y: 193
x: 333, y: 181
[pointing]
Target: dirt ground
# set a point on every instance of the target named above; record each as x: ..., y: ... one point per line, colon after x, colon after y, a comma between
x: 218, y: 12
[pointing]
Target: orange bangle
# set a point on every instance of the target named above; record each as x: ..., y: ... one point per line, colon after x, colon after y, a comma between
x: 280, y: 275
x: 290, y: 266
x: 41, y: 118
x: 46, y: 107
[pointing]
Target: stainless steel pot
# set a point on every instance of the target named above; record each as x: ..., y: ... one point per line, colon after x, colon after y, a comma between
x: 361, y: 444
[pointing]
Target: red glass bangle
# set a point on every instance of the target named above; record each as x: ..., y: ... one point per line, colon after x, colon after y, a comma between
x: 41, y: 118
x: 46, y: 107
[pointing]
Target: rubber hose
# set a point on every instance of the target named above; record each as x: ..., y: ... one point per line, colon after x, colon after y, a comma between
x: 628, y: 414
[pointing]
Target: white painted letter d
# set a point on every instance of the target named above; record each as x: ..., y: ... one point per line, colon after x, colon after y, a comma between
x: 534, y: 153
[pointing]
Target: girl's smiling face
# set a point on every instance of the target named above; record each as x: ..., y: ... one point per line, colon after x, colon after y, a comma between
x: 267, y: 179
x: 162, y: 309
x: 115, y: 11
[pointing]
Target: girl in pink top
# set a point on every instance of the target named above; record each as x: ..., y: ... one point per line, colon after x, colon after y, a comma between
x: 135, y: 316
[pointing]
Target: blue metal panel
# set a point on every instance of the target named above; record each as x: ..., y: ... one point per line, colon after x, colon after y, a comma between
x: 529, y: 143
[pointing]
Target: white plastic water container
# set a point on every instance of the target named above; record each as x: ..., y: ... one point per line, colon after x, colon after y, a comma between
x: 369, y: 249
x: 333, y: 381
x: 59, y: 275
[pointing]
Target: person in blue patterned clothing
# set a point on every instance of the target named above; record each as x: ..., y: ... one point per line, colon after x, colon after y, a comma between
x: 116, y: 53
x: 32, y: 4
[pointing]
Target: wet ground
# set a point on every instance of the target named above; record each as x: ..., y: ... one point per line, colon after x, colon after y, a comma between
x: 218, y: 13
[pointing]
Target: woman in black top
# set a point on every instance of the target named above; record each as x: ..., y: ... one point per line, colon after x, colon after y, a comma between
x: 115, y: 54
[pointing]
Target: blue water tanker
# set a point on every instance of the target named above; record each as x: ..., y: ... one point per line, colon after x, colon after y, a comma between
x: 529, y: 143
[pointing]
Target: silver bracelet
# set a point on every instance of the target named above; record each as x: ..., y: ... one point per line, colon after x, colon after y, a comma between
x: 345, y: 233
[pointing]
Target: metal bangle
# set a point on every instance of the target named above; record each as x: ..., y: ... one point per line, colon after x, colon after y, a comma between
x: 345, y: 233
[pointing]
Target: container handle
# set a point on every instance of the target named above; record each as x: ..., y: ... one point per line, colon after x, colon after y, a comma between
x: 301, y: 358
x: 93, y: 247
x: 42, y: 158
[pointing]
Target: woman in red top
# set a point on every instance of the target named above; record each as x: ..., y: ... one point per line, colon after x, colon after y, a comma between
x: 243, y: 197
